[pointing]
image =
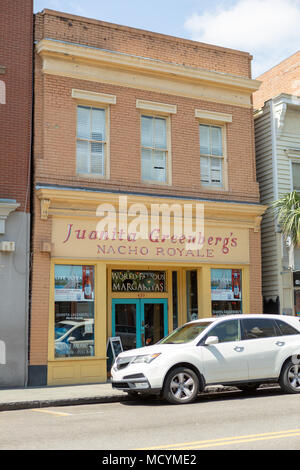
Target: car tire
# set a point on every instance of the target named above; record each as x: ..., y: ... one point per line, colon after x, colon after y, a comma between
x: 181, y: 386
x: 289, y: 379
x: 133, y: 395
x: 248, y: 388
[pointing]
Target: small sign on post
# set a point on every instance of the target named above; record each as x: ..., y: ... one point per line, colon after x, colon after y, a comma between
x: 113, y: 349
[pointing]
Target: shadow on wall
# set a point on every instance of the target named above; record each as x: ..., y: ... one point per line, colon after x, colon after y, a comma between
x: 2, y: 352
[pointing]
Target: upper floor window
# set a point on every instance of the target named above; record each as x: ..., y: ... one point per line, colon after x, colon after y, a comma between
x: 211, y: 155
x: 296, y: 176
x: 91, y: 141
x: 154, y: 147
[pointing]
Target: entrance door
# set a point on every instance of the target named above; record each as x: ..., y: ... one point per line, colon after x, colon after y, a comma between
x: 139, y: 322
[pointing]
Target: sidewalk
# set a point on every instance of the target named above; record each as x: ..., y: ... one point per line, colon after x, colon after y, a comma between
x: 41, y: 397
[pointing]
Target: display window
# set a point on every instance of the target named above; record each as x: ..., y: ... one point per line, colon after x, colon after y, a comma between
x: 74, y: 311
x: 226, y: 291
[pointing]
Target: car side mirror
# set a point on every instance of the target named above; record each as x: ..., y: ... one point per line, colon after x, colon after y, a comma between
x: 211, y: 340
x: 71, y: 339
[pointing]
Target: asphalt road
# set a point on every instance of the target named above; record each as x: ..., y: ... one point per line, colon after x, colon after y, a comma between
x: 268, y: 419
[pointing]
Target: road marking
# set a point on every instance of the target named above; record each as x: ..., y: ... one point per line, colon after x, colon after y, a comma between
x: 57, y: 413
x: 229, y: 440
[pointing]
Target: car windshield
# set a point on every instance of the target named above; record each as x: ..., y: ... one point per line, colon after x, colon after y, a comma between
x: 61, y: 329
x: 186, y: 333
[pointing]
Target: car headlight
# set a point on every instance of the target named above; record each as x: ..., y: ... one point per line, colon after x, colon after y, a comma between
x: 146, y: 359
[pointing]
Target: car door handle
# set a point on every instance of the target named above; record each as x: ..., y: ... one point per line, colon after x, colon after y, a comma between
x: 280, y: 343
x: 239, y: 349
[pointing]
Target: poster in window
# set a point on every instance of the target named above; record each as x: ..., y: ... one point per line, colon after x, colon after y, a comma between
x: 74, y: 283
x: 226, y: 284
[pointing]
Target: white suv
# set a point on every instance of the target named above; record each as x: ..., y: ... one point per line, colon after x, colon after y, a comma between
x: 239, y: 350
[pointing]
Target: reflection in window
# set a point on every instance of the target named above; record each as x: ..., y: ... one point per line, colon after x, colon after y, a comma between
x: 74, y: 311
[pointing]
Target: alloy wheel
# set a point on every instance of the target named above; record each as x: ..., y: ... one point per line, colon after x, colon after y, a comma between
x: 294, y: 377
x: 182, y: 386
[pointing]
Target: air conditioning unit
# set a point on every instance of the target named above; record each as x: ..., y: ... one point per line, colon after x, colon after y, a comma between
x: 7, y: 246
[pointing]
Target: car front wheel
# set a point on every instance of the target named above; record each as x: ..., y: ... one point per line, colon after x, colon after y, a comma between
x: 181, y: 386
x: 289, y: 379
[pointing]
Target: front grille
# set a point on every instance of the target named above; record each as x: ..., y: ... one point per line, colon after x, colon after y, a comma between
x: 120, y: 385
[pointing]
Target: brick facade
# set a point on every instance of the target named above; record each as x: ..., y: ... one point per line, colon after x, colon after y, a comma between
x: 16, y: 40
x: 55, y: 138
x: 282, y: 78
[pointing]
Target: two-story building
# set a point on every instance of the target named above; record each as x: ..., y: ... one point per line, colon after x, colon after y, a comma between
x: 16, y: 41
x: 146, y: 204
x: 277, y: 140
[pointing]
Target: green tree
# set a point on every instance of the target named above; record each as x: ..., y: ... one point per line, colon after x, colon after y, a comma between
x: 287, y: 211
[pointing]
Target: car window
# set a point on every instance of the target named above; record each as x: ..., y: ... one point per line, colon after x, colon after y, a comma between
x: 185, y: 333
x: 226, y: 331
x: 254, y: 328
x: 286, y: 329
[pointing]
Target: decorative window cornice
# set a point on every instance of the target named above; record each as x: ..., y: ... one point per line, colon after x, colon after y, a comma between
x: 212, y: 116
x: 93, y: 97
x: 156, y: 107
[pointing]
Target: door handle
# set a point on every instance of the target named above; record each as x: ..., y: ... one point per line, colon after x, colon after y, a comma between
x: 280, y: 343
x: 239, y: 349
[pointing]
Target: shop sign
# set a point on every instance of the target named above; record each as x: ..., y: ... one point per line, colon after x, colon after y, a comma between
x: 74, y: 283
x: 75, y: 238
x: 138, y: 281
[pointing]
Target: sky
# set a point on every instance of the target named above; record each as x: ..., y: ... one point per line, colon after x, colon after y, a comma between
x: 268, y: 29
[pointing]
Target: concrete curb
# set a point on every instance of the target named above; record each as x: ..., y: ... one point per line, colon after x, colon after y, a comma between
x: 23, y: 405
x: 97, y: 399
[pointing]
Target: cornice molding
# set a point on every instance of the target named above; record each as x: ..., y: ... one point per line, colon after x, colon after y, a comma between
x: 77, y: 203
x: 83, y: 62
x: 5, y: 209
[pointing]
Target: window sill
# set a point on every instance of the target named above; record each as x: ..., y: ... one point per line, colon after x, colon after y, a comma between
x: 92, y: 176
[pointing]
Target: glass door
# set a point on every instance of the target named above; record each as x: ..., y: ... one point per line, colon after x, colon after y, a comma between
x: 126, y: 322
x: 154, y: 316
x: 139, y: 322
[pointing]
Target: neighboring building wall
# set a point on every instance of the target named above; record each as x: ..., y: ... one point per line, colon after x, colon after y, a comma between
x: 277, y: 130
x: 282, y: 78
x: 16, y: 24
x: 265, y: 143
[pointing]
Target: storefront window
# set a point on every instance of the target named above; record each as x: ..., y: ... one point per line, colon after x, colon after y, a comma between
x: 226, y: 291
x: 191, y: 295
x: 74, y: 311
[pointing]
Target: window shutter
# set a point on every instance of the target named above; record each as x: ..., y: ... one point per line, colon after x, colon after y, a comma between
x: 216, y: 171
x: 204, y: 140
x: 82, y: 156
x: 204, y: 169
x: 216, y: 141
x: 83, y: 122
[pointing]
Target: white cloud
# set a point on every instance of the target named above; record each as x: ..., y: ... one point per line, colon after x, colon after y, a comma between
x: 267, y: 29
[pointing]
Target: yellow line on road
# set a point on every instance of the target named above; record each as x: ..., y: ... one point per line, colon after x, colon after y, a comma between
x: 57, y: 413
x: 229, y: 440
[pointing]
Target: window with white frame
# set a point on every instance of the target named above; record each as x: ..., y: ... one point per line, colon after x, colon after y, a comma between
x: 211, y: 155
x: 91, y: 140
x: 154, y: 148
x: 296, y: 175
